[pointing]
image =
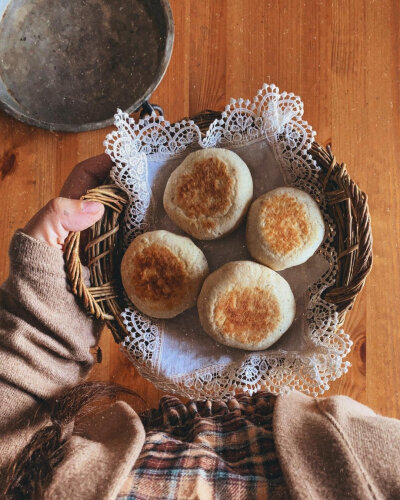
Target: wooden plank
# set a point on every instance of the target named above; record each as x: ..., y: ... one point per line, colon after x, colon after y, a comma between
x: 379, y: 142
x: 342, y: 58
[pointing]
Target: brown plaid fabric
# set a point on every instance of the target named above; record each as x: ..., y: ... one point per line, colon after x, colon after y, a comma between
x: 208, y: 450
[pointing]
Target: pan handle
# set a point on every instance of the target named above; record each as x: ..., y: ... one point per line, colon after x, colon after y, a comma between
x: 148, y: 109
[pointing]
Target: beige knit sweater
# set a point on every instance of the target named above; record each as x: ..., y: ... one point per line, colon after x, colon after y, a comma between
x: 330, y: 448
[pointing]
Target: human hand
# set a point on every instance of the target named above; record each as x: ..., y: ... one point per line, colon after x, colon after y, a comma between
x: 67, y: 213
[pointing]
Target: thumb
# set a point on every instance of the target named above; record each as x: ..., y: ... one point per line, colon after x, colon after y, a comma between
x: 60, y: 216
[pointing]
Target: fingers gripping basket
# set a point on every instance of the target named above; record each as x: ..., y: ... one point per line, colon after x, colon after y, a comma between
x: 100, y: 299
x: 347, y: 206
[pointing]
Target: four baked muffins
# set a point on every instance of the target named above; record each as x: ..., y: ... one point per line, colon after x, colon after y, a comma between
x: 284, y: 228
x: 242, y: 304
x: 246, y: 305
x: 162, y: 273
x: 209, y: 193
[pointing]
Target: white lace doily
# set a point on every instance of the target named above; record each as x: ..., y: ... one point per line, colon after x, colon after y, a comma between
x: 140, y: 150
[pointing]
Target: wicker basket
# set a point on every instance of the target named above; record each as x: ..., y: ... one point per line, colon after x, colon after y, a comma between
x: 347, y: 205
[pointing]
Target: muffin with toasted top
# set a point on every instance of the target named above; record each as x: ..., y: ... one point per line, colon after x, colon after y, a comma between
x: 284, y: 228
x: 209, y: 193
x: 162, y: 273
x: 246, y: 305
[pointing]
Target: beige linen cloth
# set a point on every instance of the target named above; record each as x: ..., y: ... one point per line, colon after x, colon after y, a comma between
x: 331, y: 448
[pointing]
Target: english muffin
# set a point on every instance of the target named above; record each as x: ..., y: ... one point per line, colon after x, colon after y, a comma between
x: 162, y: 273
x: 209, y: 193
x: 284, y: 228
x: 246, y: 305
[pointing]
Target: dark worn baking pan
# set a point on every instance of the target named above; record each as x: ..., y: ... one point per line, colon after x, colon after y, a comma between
x: 68, y: 65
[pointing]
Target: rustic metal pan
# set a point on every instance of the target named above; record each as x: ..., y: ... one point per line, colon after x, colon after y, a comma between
x: 68, y: 65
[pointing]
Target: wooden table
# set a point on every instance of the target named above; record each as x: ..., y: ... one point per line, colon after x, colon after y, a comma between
x: 342, y: 58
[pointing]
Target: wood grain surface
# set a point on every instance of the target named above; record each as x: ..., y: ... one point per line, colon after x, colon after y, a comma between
x: 342, y: 58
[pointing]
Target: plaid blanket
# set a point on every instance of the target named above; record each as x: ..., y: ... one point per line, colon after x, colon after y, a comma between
x: 208, y: 450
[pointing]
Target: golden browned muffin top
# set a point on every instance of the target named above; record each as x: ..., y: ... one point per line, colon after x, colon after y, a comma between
x: 247, y: 314
x: 206, y: 191
x: 158, y: 275
x: 286, y: 225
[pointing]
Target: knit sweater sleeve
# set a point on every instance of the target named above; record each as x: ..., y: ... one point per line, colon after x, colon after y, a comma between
x: 44, y: 339
x: 336, y: 448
